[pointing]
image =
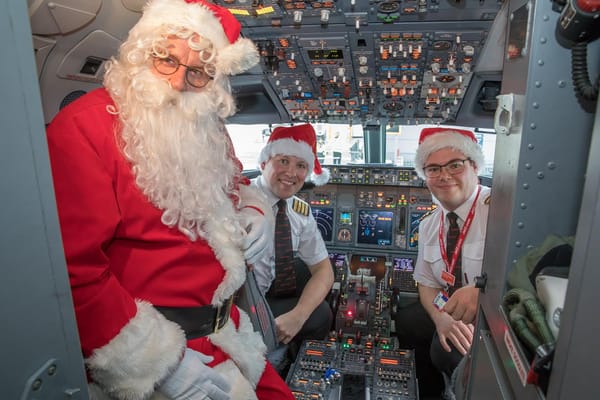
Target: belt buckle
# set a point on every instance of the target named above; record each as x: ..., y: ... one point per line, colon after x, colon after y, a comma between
x: 222, y: 316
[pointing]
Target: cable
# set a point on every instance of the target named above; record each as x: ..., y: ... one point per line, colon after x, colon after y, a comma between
x: 579, y: 72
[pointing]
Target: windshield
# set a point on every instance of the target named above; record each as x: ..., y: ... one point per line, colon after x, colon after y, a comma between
x: 345, y: 144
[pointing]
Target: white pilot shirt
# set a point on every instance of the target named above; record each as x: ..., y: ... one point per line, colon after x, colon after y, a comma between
x: 307, y: 242
x: 429, y: 266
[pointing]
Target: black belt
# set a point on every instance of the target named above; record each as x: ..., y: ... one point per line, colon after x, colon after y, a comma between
x: 198, y: 321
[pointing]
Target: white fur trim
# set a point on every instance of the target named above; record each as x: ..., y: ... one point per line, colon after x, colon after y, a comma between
x: 245, y: 347
x: 321, y: 179
x: 238, y: 57
x: 447, y: 139
x: 231, y: 58
x: 178, y: 13
x: 241, y: 389
x: 289, y: 147
x: 230, y: 255
x: 140, y: 356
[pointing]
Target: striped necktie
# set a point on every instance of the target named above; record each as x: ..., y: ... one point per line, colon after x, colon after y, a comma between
x: 285, y: 274
x: 451, y: 239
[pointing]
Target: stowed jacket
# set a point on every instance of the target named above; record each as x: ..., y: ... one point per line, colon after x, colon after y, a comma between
x: 122, y: 260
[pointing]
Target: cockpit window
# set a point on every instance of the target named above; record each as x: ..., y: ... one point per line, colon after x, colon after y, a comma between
x: 402, y: 141
x: 344, y: 144
x: 336, y: 143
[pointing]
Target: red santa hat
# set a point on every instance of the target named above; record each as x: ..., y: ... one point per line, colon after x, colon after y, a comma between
x: 234, y: 54
x: 434, y: 139
x: 299, y: 141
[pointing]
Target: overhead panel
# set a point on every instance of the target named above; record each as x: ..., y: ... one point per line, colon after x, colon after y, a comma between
x: 368, y: 62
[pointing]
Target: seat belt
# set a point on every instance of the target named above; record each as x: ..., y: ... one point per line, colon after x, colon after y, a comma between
x: 250, y: 299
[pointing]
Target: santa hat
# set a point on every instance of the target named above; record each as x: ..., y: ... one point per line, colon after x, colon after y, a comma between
x: 234, y: 54
x: 434, y: 139
x: 299, y: 141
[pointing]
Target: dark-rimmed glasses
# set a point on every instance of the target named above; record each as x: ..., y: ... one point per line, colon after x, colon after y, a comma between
x: 197, y: 77
x: 453, y: 167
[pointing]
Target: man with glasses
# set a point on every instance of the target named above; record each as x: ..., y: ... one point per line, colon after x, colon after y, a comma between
x: 157, y: 220
x: 451, y: 242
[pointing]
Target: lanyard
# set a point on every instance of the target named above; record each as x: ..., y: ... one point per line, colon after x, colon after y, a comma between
x: 451, y: 264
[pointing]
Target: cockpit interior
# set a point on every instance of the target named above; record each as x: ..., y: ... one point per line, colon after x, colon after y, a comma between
x: 370, y: 74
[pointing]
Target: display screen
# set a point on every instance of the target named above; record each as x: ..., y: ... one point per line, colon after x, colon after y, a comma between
x: 367, y: 265
x: 403, y: 264
x: 375, y: 227
x: 324, y: 218
x: 413, y: 237
x: 326, y: 54
x: 337, y: 259
x: 345, y: 218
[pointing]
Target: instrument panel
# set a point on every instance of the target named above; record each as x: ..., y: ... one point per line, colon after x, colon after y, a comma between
x: 360, y: 61
x: 370, y: 207
x: 416, y: 76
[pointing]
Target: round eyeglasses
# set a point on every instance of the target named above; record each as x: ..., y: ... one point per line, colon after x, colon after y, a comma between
x: 197, y: 77
x: 453, y: 167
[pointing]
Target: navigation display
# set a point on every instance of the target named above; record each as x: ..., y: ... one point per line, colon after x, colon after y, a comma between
x: 324, y: 218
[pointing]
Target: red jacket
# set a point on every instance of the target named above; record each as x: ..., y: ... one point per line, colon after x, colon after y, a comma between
x: 119, y: 253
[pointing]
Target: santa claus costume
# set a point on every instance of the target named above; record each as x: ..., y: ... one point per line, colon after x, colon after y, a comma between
x: 149, y: 196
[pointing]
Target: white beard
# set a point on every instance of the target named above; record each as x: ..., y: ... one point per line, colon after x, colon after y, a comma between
x: 181, y: 155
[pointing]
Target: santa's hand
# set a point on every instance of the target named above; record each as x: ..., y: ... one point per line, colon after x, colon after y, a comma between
x: 257, y: 236
x: 194, y: 380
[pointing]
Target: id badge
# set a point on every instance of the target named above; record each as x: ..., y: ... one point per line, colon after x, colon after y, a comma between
x: 440, y: 300
x: 448, y: 278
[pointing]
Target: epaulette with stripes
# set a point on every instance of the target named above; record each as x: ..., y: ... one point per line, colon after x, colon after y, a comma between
x: 300, y: 206
x: 427, y: 214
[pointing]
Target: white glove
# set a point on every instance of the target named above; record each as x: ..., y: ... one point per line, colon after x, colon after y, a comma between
x: 194, y: 380
x: 258, y: 235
